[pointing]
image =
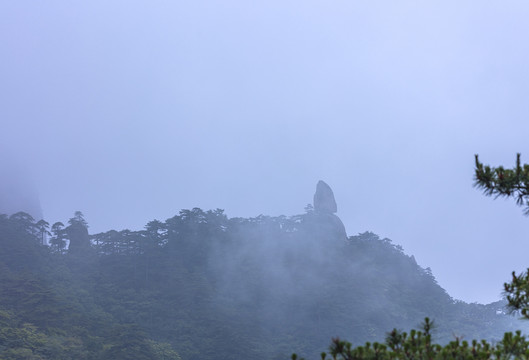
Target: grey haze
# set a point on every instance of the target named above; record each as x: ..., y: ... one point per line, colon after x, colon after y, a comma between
x: 130, y: 111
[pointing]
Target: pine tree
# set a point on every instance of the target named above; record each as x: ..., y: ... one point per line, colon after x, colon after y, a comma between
x: 58, y: 240
x: 42, y: 226
x: 514, y: 183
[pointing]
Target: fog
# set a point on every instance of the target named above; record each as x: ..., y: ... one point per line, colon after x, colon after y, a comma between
x: 131, y: 111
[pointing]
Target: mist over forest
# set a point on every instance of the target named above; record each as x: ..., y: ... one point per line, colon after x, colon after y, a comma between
x: 202, y: 285
x: 160, y: 192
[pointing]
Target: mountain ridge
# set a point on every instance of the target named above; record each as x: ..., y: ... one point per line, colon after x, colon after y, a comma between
x: 214, y: 287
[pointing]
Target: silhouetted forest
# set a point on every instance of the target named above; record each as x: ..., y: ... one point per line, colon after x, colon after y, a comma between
x: 200, y: 285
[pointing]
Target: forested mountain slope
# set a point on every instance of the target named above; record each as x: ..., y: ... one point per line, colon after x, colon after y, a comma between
x: 47, y: 308
x: 215, y: 287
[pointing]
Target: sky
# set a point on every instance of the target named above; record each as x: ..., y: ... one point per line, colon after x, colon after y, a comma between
x: 130, y: 111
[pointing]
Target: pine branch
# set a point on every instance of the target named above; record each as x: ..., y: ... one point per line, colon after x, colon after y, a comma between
x: 502, y: 182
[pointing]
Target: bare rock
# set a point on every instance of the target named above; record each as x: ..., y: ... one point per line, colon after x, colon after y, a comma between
x: 326, y: 225
x: 324, y: 199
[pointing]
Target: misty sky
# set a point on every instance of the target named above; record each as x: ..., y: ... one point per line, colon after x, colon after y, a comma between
x: 130, y: 111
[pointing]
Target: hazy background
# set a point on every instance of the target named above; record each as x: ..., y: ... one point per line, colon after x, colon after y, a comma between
x: 130, y: 111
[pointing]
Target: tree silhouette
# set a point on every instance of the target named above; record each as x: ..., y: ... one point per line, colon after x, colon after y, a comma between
x: 502, y: 182
x: 58, y: 240
x: 43, y: 227
x: 514, y: 183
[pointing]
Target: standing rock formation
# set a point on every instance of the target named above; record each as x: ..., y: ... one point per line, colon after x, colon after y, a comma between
x: 78, y: 234
x: 326, y: 224
x: 324, y: 198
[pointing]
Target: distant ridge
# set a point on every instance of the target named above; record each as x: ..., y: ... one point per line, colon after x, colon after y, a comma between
x: 206, y: 286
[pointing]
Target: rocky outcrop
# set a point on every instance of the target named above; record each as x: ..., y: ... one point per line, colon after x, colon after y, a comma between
x: 325, y: 222
x: 79, y: 239
x: 324, y: 199
x: 78, y: 235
